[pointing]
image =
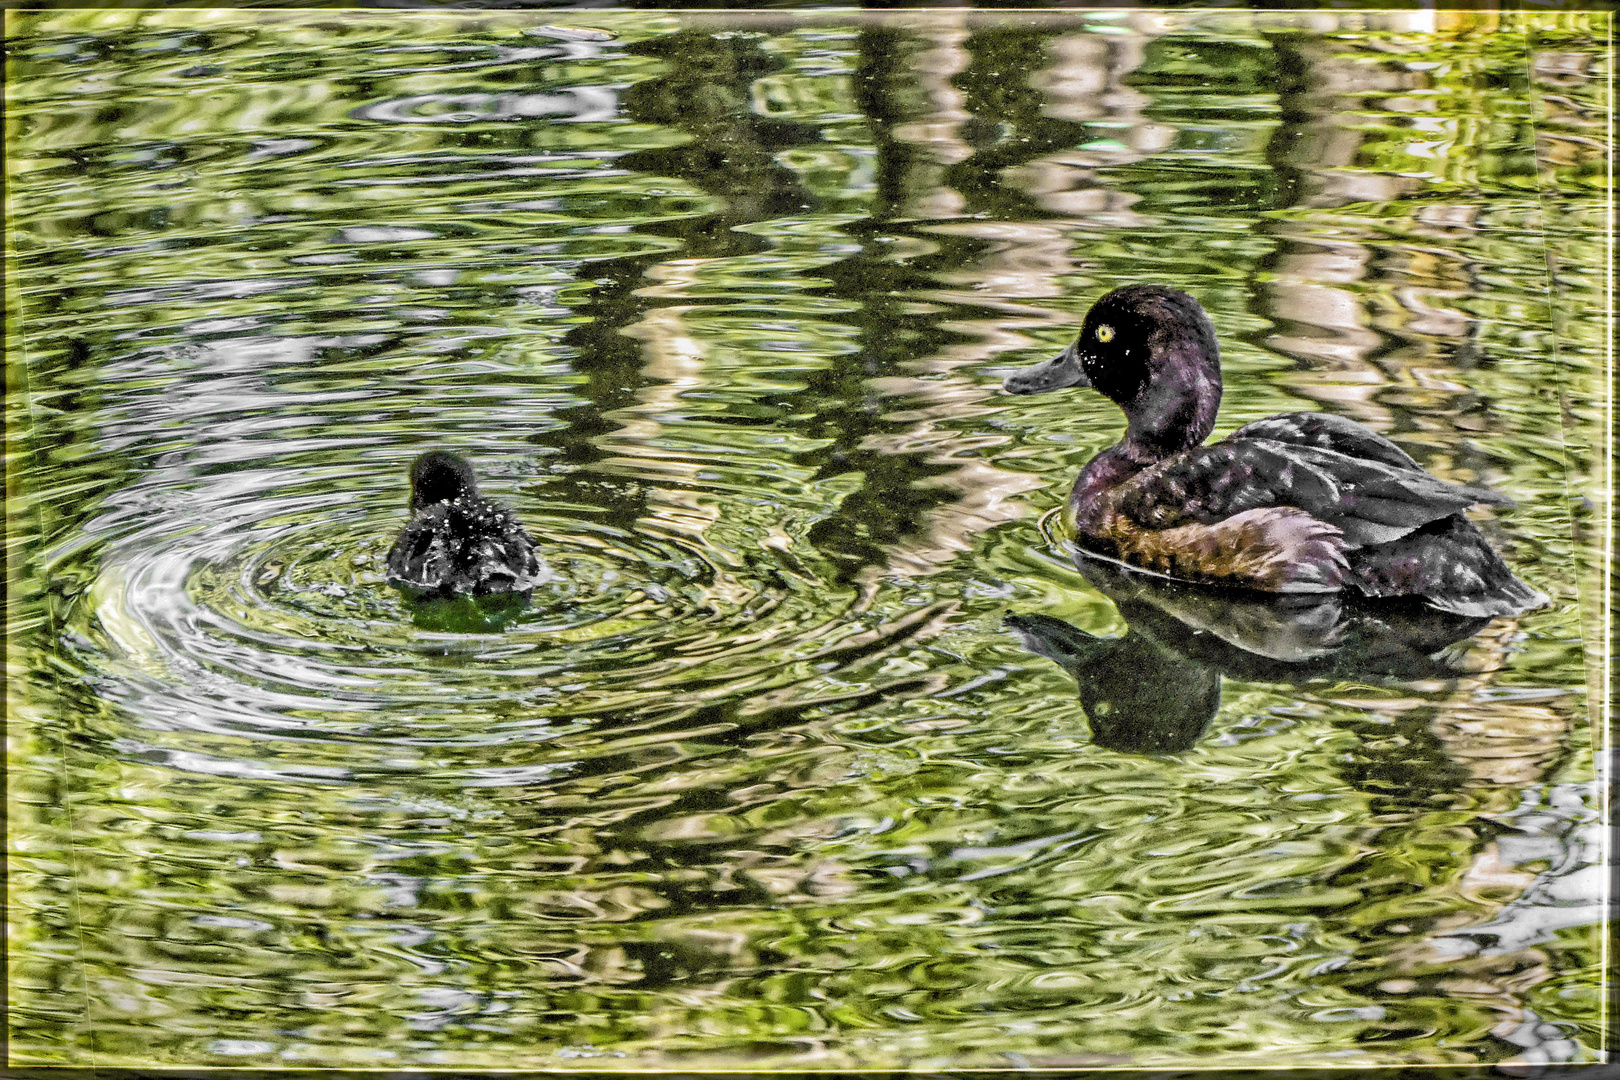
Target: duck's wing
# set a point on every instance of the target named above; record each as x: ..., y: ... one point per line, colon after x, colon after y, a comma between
x: 1326, y: 431
x: 495, y: 555
x: 503, y: 563
x: 421, y: 558
x: 1369, y: 501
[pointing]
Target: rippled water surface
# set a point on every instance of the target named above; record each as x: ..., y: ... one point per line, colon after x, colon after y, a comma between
x: 720, y: 308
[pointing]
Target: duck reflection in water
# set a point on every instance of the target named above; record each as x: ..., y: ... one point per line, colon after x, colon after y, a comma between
x: 1156, y: 689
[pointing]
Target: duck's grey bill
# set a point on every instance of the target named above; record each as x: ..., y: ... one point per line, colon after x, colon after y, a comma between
x: 1062, y: 370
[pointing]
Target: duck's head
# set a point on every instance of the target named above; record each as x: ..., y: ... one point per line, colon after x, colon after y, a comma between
x: 1151, y: 351
x: 440, y: 476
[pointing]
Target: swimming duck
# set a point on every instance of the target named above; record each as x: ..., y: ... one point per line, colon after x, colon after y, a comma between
x: 1294, y: 503
x: 456, y: 541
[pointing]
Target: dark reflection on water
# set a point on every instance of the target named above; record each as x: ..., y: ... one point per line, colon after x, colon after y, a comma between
x: 720, y: 305
x: 1158, y: 687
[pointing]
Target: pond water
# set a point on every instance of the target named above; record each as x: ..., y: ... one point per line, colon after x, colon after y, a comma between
x: 720, y: 306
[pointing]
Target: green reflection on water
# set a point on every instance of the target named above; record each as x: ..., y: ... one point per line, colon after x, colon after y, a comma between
x: 719, y: 305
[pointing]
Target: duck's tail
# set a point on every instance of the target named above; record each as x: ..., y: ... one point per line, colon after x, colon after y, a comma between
x: 1450, y: 566
x: 1510, y: 596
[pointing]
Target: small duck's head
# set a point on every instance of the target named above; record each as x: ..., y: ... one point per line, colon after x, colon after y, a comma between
x: 1151, y: 351
x: 440, y: 476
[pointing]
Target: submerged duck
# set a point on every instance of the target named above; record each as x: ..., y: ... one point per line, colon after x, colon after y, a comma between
x: 457, y: 541
x: 1295, y: 503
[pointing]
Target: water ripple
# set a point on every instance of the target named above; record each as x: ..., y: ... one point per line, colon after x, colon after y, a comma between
x: 718, y: 305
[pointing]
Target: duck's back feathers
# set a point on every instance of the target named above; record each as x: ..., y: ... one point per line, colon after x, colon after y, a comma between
x: 468, y: 545
x: 1326, y: 431
x: 1368, y: 501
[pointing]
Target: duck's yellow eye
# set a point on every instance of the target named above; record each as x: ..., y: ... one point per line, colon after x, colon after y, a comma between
x: 1105, y: 333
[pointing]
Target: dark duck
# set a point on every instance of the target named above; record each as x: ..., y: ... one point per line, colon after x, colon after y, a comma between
x: 1295, y: 503
x: 457, y: 542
